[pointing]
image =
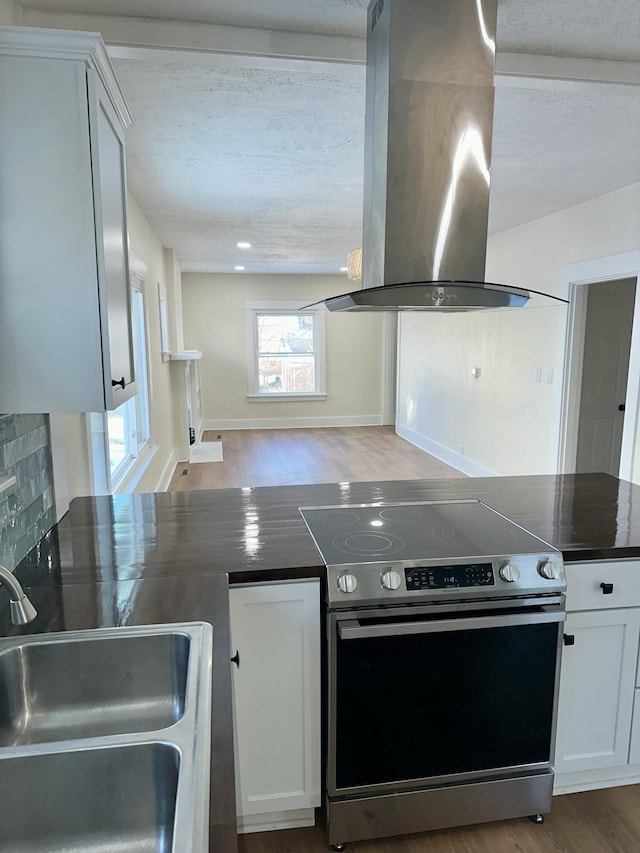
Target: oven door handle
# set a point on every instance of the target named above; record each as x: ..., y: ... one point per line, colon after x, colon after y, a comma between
x: 353, y: 629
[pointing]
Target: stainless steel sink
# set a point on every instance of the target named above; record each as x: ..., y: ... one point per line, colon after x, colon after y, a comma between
x: 114, y: 798
x: 105, y: 740
x: 87, y: 687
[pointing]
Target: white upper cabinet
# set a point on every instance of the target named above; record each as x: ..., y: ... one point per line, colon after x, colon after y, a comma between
x: 65, y: 311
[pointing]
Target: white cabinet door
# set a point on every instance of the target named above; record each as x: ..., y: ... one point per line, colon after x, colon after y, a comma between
x: 597, y: 684
x: 110, y: 210
x: 276, y: 630
x: 65, y: 316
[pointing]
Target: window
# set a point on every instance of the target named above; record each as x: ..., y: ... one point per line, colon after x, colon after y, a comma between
x: 128, y: 425
x: 119, y: 440
x: 285, y: 351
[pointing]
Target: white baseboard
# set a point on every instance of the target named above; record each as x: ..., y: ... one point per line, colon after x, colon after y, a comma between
x: 276, y: 820
x: 593, y: 780
x: 578, y: 787
x: 294, y: 423
x: 444, y: 454
x: 167, y: 471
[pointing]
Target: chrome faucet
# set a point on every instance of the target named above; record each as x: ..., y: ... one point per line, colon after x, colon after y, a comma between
x: 22, y: 610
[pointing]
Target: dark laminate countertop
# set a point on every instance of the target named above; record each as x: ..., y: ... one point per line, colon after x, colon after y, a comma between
x: 258, y: 534
x: 167, y: 557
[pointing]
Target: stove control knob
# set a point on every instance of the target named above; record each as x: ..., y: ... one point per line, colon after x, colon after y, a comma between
x: 347, y: 582
x: 510, y: 572
x: 391, y: 579
x: 549, y: 569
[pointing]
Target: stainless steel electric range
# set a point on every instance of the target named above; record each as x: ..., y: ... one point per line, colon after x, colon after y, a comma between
x: 444, y: 630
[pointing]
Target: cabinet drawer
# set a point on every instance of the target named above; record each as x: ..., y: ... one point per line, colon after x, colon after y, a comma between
x: 585, y: 580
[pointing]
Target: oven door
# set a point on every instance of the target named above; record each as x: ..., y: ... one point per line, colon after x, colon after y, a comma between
x: 430, y: 695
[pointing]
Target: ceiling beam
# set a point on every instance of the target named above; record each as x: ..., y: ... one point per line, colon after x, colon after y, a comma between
x: 209, y: 38
x: 171, y: 41
x: 535, y: 71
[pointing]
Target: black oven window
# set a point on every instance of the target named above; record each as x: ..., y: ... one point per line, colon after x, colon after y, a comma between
x: 422, y: 705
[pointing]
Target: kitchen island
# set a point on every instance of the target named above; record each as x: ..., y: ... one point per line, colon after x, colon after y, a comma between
x: 152, y: 558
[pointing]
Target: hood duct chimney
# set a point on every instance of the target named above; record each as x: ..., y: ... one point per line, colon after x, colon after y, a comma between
x: 428, y: 130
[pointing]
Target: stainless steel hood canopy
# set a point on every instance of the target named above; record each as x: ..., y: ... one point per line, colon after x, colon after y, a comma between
x: 428, y: 129
x: 434, y: 296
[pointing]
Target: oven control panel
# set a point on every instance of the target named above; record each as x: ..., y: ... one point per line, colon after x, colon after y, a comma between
x: 477, y: 578
x: 445, y: 577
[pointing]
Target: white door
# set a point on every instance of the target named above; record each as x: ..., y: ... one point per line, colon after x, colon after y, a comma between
x: 597, y: 685
x: 607, y: 344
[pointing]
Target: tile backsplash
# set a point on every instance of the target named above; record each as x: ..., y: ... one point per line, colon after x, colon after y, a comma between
x: 26, y: 507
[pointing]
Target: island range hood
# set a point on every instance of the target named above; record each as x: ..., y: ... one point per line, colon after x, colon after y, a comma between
x: 428, y: 129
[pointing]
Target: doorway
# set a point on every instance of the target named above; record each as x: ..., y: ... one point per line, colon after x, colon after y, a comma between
x: 601, y: 379
x: 605, y: 369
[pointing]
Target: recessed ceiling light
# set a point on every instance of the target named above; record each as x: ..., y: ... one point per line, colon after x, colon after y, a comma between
x: 343, y: 269
x: 243, y: 245
x: 239, y: 269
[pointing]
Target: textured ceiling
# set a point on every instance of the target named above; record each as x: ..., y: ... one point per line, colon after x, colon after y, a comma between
x: 220, y: 153
x: 552, y: 150
x: 600, y: 29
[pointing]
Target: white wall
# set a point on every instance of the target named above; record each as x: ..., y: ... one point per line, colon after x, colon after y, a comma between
x: 214, y: 322
x: 505, y: 421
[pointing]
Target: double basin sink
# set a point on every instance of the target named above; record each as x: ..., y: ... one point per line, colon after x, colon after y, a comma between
x: 105, y: 740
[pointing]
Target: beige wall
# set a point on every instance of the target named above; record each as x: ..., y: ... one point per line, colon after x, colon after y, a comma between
x: 507, y: 423
x: 144, y: 242
x: 8, y: 13
x: 214, y: 322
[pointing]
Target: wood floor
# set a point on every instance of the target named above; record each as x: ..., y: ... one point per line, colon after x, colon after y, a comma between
x: 302, y: 456
x: 605, y: 821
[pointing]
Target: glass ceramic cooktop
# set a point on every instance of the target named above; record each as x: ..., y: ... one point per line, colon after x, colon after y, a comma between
x: 417, y: 531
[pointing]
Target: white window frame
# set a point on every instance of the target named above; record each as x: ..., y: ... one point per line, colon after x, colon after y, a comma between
x: 282, y: 306
x: 138, y: 454
x: 136, y: 440
x: 142, y: 376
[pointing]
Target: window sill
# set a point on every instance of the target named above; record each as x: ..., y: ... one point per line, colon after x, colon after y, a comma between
x: 129, y: 478
x: 280, y: 398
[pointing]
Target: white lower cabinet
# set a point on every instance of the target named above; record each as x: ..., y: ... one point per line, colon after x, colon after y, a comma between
x: 275, y: 628
x: 597, y: 690
x: 595, y: 744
